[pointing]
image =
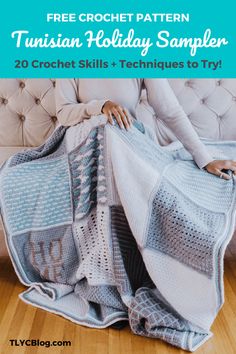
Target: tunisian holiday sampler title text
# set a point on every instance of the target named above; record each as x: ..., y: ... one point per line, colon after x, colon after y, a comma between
x: 119, y: 38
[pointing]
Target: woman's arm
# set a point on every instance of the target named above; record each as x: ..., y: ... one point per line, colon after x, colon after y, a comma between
x: 69, y: 110
x: 165, y: 104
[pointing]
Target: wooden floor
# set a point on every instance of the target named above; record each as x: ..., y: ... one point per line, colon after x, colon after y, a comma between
x: 21, y: 321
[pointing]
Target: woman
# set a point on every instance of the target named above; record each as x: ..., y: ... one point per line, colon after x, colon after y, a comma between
x: 105, y: 226
x: 78, y: 99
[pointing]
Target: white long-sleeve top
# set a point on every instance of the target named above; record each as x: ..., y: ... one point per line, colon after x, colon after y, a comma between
x: 79, y: 99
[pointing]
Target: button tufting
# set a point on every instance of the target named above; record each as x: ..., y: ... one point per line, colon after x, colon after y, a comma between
x: 218, y: 83
x: 234, y: 98
x: 37, y: 101
x: 22, y: 118
x: 187, y: 83
x: 54, y: 83
x: 203, y: 101
x: 4, y: 100
x: 22, y: 84
x: 219, y: 117
x: 54, y: 118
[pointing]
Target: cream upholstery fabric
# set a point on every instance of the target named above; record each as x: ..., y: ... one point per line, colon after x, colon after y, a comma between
x: 27, y: 111
x: 210, y: 105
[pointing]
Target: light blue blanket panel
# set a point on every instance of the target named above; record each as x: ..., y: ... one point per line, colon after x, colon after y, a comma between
x: 37, y: 195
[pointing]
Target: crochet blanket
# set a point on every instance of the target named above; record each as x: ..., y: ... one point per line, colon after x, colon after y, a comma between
x: 103, y: 225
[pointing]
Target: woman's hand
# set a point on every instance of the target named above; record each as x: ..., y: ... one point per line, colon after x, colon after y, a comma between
x: 217, y: 168
x: 111, y: 109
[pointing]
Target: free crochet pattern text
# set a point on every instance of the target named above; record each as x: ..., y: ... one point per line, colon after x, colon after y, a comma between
x: 118, y: 17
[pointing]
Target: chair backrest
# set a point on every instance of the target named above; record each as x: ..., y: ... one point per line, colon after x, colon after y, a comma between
x: 28, y: 114
x: 27, y: 111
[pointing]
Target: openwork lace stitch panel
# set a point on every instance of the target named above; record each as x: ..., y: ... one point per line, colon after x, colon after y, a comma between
x: 188, y: 238
x: 92, y: 237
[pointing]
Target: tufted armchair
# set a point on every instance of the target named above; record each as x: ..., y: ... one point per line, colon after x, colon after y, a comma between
x: 28, y: 114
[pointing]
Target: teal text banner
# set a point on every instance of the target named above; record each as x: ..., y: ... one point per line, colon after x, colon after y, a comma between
x: 111, y: 39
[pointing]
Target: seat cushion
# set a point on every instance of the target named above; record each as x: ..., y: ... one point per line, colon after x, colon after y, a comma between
x: 6, y: 152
